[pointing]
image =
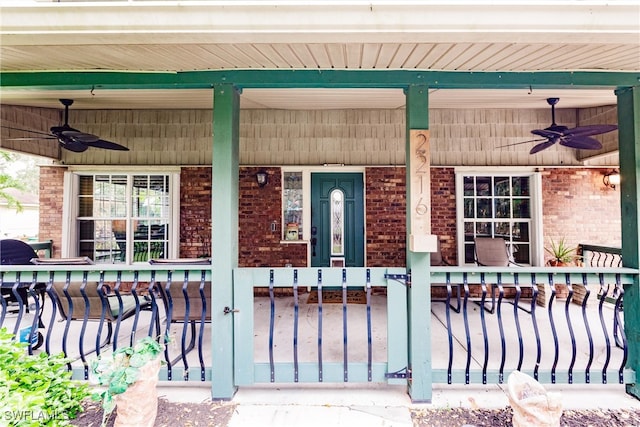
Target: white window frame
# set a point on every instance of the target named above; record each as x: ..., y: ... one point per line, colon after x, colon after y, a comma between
x: 536, y: 232
x: 70, y: 246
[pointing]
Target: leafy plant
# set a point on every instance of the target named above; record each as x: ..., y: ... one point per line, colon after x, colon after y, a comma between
x: 561, y: 253
x: 36, y: 390
x: 120, y: 369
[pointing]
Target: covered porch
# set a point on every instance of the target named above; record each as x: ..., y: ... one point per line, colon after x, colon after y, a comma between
x: 473, y: 65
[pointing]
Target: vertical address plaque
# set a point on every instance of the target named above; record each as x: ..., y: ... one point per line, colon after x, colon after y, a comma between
x: 420, y: 239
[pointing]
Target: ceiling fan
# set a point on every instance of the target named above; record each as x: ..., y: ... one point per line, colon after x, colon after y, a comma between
x: 578, y: 137
x: 69, y: 138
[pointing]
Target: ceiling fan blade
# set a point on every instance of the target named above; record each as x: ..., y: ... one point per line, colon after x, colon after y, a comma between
x: 78, y: 136
x: 30, y: 138
x: 542, y: 146
x: 590, y: 130
x: 581, y: 143
x: 27, y: 130
x: 523, y: 142
x: 71, y: 145
x: 107, y: 145
x: 546, y: 133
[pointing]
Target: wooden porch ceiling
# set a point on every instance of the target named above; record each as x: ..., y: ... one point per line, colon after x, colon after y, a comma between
x: 480, y: 36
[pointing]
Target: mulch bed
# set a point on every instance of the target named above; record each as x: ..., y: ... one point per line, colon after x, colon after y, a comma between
x: 170, y: 414
x: 503, y: 417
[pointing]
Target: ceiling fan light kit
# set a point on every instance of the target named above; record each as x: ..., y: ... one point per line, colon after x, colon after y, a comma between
x: 69, y: 138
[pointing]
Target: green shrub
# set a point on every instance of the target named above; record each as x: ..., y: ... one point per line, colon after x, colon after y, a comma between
x: 36, y: 390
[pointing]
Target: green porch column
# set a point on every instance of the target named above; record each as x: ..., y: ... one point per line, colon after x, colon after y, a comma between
x: 224, y: 236
x: 629, y: 146
x: 418, y: 263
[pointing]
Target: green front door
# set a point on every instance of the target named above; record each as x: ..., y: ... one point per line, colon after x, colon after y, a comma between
x: 337, y: 220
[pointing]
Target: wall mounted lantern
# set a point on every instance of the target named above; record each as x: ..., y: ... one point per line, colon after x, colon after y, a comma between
x: 611, y: 179
x: 262, y: 177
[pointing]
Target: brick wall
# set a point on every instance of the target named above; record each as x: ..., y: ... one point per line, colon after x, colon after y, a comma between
x: 385, y: 217
x: 577, y: 206
x: 258, y: 209
x: 50, y: 210
x: 195, y: 212
x: 443, y: 211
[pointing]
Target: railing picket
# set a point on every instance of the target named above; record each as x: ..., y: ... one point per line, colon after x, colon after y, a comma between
x: 556, y: 347
x: 319, y: 283
x: 570, y: 327
x: 616, y: 313
x: 467, y: 332
x: 14, y: 291
x: 536, y: 330
x: 83, y: 292
x: 36, y: 321
x: 168, y: 303
x: 345, y: 358
x: 155, y: 316
x: 587, y: 373
x: 449, y: 331
x: 369, y: 332
x: 136, y: 316
x: 103, y: 297
x: 296, y: 305
x: 203, y: 318
x: 516, y: 283
x: 604, y: 291
x: 272, y: 313
x: 54, y: 308
x: 503, y: 344
x: 185, y: 325
x: 485, y: 336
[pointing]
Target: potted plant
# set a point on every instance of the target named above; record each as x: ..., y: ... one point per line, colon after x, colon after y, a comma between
x: 129, y: 377
x: 562, y: 255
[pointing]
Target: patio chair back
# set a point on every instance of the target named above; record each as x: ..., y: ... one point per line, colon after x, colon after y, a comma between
x: 492, y: 251
x: 15, y: 252
x: 436, y: 257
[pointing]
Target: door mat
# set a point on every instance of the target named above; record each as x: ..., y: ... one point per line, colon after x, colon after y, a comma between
x: 335, y: 297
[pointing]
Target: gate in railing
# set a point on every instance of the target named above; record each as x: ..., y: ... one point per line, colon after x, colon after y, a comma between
x: 310, y: 326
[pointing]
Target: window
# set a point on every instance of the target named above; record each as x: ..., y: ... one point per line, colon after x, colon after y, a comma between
x: 124, y: 218
x: 292, y: 205
x: 498, y: 206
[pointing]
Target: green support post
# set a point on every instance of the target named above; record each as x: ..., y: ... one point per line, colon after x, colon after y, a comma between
x: 224, y: 235
x: 629, y: 152
x: 418, y: 264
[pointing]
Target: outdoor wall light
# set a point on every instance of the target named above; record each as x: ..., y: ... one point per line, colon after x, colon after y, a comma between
x: 262, y: 177
x: 611, y: 179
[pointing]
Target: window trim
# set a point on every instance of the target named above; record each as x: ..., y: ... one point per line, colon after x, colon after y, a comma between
x: 536, y: 232
x: 70, y: 205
